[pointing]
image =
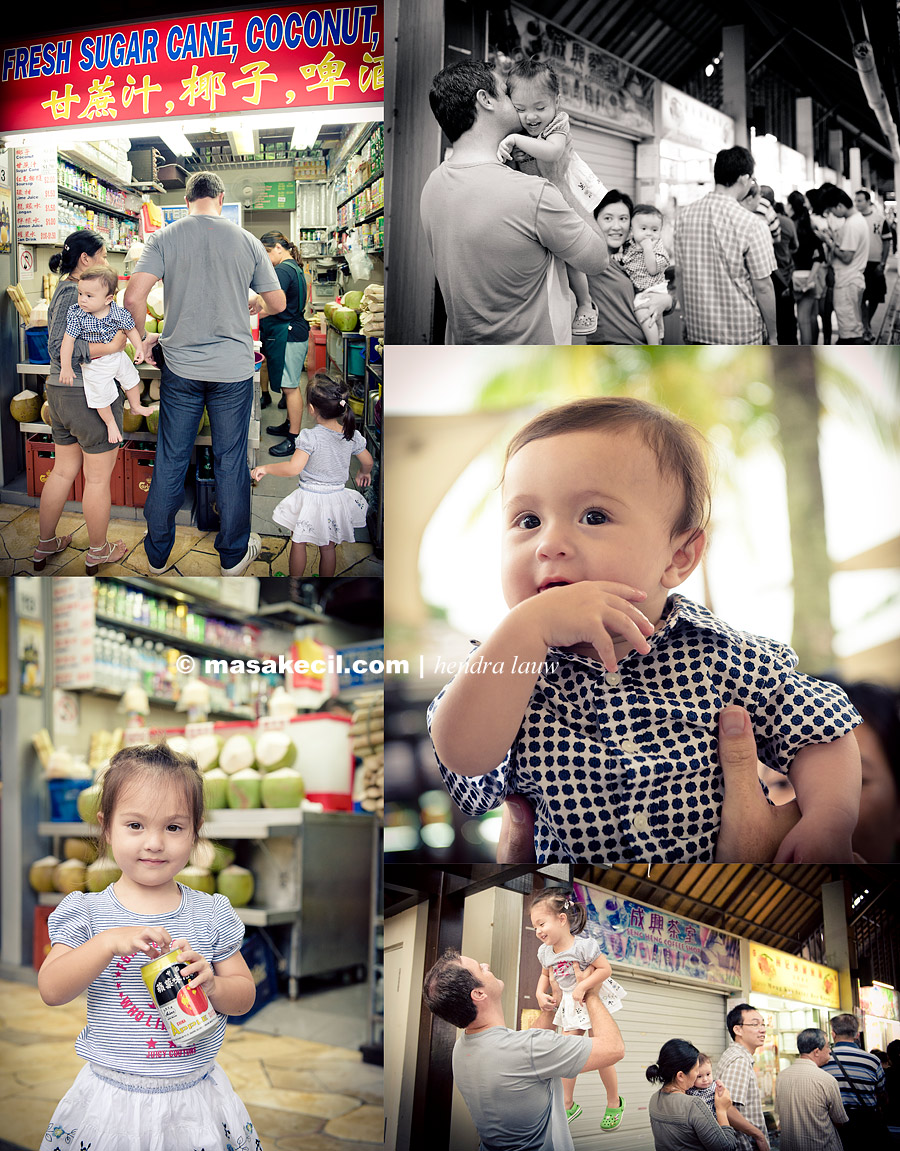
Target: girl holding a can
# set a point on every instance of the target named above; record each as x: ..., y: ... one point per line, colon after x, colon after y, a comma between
x: 151, y: 1082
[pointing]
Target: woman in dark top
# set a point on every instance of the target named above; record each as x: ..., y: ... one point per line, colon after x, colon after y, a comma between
x: 682, y: 1122
x: 808, y: 280
x: 80, y: 437
x: 612, y: 291
x: 285, y: 338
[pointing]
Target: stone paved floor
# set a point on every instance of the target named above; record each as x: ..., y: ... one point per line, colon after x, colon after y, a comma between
x: 301, y: 1095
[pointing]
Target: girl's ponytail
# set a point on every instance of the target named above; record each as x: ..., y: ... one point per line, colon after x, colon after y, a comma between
x: 330, y: 398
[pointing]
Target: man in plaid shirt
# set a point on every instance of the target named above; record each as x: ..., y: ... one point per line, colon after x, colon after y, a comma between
x: 748, y: 1032
x: 724, y: 260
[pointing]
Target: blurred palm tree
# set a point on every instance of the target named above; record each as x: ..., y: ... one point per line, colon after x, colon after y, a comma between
x: 739, y: 398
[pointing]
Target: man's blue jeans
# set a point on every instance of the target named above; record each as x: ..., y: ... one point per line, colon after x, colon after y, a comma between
x: 180, y: 411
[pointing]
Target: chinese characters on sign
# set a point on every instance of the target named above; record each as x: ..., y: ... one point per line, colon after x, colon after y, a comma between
x: 792, y: 977
x: 327, y: 54
x: 36, y: 177
x: 636, y: 935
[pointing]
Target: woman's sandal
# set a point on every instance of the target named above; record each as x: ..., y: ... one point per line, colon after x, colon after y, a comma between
x: 95, y: 557
x: 612, y: 1116
x: 41, y: 555
x: 585, y: 325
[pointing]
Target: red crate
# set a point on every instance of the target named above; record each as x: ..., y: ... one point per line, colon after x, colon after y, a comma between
x: 39, y: 460
x: 117, y: 480
x: 138, y: 475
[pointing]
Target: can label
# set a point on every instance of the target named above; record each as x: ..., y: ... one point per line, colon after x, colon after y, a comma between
x: 185, y: 1011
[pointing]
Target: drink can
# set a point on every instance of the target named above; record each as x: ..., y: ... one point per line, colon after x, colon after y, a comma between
x: 186, y: 1011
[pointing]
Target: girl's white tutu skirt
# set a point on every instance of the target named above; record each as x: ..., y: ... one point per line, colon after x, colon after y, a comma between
x: 321, y: 517
x: 572, y: 1016
x: 108, y: 1110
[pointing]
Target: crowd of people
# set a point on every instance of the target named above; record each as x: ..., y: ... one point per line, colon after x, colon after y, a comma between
x: 562, y: 257
x: 519, y: 1085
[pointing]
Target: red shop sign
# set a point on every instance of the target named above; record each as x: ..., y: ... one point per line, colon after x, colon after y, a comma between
x: 275, y: 59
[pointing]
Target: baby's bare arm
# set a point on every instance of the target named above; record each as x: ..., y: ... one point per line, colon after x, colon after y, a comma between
x: 827, y: 778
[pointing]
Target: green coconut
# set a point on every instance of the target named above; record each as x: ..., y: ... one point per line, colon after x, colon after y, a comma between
x: 199, y: 878
x: 283, y: 788
x: 153, y: 420
x: 179, y: 744
x: 274, y: 750
x: 45, y: 413
x: 82, y: 849
x: 215, y: 789
x: 101, y: 874
x: 236, y: 884
x: 345, y: 319
x: 25, y: 407
x: 131, y: 421
x: 205, y: 749
x: 236, y: 754
x: 329, y: 308
x: 215, y: 856
x: 244, y: 789
x: 40, y: 874
x: 70, y: 876
x: 353, y: 300
x: 89, y: 802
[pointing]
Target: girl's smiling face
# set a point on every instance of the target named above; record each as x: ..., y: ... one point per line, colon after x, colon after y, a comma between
x: 151, y: 834
x: 549, y: 928
x: 535, y: 103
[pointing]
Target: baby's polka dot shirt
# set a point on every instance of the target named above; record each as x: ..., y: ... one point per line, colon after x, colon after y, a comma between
x: 623, y: 766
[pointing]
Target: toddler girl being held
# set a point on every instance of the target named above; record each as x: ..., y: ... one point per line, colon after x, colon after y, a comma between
x: 572, y: 962
x: 323, y: 511
x: 534, y: 90
x: 139, y: 1090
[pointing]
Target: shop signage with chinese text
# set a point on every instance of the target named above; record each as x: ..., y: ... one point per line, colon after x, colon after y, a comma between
x: 594, y: 84
x: 792, y: 977
x: 275, y: 59
x: 880, y: 1001
x: 636, y: 935
x: 690, y: 121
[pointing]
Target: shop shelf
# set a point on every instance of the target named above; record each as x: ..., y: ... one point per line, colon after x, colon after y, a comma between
x: 250, y: 916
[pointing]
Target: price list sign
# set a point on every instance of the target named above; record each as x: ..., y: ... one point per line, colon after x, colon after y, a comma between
x: 36, y: 183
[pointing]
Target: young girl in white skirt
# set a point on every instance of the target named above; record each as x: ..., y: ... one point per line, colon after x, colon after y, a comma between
x: 570, y: 964
x: 138, y: 1091
x: 323, y: 511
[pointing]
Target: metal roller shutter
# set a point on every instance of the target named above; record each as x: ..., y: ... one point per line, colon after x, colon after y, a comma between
x: 652, y: 1012
x: 612, y: 158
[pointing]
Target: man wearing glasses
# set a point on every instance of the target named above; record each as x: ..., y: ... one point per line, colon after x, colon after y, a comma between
x: 748, y: 1032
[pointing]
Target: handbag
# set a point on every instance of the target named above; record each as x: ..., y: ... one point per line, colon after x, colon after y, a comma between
x: 867, y: 1124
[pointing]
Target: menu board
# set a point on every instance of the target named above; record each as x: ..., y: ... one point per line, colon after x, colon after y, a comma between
x: 73, y: 632
x: 36, y: 182
x: 788, y: 976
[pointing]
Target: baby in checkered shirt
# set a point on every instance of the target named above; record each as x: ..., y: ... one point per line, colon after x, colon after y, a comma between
x: 645, y: 260
x: 96, y: 318
x: 704, y: 1085
x: 598, y: 695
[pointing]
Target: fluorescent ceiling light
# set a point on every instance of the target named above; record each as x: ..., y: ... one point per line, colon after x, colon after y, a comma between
x: 87, y: 133
x: 306, y: 130
x: 243, y: 141
x: 177, y: 142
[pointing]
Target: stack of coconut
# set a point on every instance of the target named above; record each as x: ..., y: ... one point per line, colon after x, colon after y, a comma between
x: 372, y: 312
x: 367, y: 734
x: 245, y: 772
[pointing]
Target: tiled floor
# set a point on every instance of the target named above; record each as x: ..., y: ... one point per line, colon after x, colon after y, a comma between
x: 194, y: 553
x: 301, y: 1095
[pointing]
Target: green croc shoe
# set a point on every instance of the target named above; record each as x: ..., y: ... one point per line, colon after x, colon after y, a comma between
x: 613, y: 1116
x: 572, y: 1112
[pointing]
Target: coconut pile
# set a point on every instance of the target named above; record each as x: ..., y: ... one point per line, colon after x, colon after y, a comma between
x: 367, y: 734
x: 245, y: 772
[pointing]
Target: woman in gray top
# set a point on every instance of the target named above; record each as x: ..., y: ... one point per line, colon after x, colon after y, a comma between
x: 80, y: 437
x: 682, y: 1122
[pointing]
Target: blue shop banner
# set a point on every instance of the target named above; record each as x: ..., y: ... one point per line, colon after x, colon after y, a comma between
x: 647, y: 938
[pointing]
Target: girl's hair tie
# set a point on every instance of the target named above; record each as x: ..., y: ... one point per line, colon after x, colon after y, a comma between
x: 343, y: 403
x: 566, y: 905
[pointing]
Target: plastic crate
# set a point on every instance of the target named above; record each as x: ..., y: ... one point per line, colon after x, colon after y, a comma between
x: 206, y: 510
x: 117, y: 480
x: 64, y: 799
x: 138, y: 475
x: 39, y: 460
x: 260, y: 958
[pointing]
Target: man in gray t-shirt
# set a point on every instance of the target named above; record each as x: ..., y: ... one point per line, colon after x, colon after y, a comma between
x: 208, y: 267
x: 511, y: 1080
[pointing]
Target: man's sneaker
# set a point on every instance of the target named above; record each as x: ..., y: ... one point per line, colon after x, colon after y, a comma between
x: 280, y: 429
x: 572, y: 1112
x: 254, y: 544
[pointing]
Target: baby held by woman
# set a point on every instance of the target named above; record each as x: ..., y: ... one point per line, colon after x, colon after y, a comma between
x: 612, y: 734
